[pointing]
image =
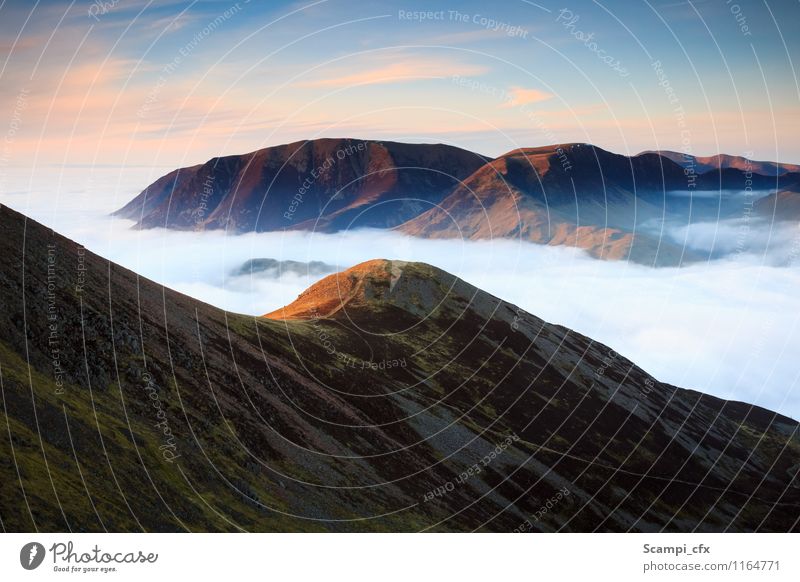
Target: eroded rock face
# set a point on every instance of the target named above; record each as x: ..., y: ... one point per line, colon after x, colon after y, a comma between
x: 392, y: 396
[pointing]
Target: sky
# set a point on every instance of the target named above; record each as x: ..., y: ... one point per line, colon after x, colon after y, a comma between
x: 98, y: 99
x: 164, y: 84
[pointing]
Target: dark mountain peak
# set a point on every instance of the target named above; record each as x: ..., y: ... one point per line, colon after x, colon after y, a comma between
x: 322, y: 184
x: 590, y: 165
x: 555, y: 156
x: 551, y: 149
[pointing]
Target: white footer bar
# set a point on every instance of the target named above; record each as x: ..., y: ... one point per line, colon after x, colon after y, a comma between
x: 400, y: 557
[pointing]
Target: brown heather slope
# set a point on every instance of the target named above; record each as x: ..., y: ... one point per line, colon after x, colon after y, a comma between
x: 583, y: 196
x: 322, y: 184
x: 574, y: 195
x: 129, y: 407
x: 334, y: 292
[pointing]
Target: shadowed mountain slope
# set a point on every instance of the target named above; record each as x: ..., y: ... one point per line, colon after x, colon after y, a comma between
x: 575, y: 195
x: 613, y: 206
x: 393, y: 396
x: 322, y: 184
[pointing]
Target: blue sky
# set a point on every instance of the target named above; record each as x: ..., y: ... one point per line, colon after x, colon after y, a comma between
x: 170, y: 83
x: 144, y: 87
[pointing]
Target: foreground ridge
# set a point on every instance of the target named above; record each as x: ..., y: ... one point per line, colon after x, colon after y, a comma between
x: 392, y: 396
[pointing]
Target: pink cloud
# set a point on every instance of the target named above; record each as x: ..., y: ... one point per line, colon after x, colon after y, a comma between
x: 522, y: 96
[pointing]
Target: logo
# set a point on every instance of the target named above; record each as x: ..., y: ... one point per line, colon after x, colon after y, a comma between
x: 31, y: 555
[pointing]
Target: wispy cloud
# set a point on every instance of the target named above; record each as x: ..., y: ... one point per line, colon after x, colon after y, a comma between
x: 174, y: 23
x: 409, y: 69
x: 522, y: 96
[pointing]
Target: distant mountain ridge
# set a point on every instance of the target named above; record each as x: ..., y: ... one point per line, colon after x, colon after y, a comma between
x: 724, y: 161
x: 572, y: 194
x: 324, y: 184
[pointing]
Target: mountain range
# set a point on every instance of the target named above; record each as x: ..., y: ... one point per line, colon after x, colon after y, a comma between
x: 324, y: 184
x: 391, y: 396
x: 613, y: 206
x: 725, y: 161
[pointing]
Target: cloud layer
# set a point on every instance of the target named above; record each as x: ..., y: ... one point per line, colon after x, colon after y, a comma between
x: 727, y: 327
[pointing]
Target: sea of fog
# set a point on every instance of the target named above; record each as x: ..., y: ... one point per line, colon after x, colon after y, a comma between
x: 727, y: 327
